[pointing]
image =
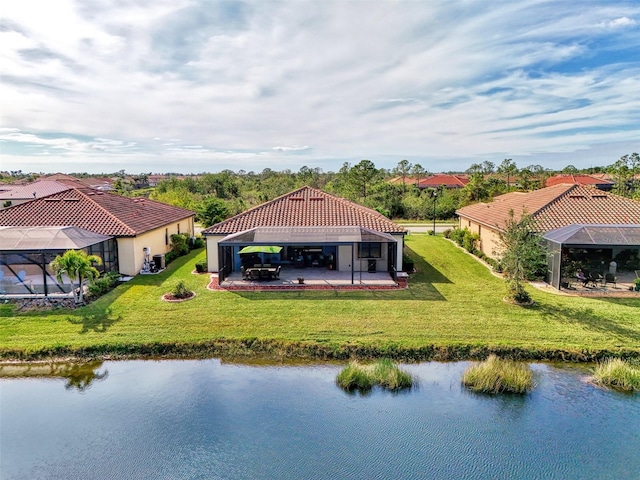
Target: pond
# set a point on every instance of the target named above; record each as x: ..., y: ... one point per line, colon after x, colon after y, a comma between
x: 192, y: 419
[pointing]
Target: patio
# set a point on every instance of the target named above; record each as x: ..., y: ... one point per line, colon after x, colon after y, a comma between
x: 314, y: 279
x: 624, y: 280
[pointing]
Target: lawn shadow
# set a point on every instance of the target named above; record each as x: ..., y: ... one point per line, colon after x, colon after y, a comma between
x: 426, y: 270
x: 98, y: 322
x: 587, y: 318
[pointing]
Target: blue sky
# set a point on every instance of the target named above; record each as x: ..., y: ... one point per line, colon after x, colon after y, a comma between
x: 193, y: 86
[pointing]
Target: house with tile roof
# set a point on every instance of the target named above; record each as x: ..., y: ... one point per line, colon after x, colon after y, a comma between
x: 12, y: 194
x: 555, y: 208
x: 139, y: 227
x: 438, y: 180
x: 314, y: 229
x: 598, y: 182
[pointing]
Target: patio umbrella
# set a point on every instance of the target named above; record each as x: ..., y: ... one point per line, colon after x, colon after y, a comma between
x: 260, y: 249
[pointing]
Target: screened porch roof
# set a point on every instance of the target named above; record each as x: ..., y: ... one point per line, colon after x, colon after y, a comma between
x: 579, y: 234
x: 306, y: 235
x: 48, y: 238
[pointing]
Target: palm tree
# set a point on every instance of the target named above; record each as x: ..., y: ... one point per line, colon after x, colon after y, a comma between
x: 76, y: 264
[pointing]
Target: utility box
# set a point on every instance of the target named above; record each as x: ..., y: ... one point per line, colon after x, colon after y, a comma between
x: 159, y: 261
x: 371, y: 265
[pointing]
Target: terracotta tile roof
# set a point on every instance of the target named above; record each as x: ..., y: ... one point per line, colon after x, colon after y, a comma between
x: 306, y: 207
x: 449, y: 181
x: 101, y: 183
x: 580, y: 179
x: 100, y: 212
x: 434, y: 181
x: 41, y: 188
x: 557, y: 206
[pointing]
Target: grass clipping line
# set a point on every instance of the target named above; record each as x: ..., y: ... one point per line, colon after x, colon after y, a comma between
x: 495, y: 375
x: 617, y: 374
x: 384, y: 373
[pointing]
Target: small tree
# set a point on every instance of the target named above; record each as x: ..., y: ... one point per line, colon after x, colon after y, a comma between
x: 522, y: 254
x: 211, y: 211
x: 76, y: 264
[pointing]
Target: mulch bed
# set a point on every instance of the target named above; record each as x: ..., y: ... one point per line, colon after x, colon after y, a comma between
x: 168, y: 297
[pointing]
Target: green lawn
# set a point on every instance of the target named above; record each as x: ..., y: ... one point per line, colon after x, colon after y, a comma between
x: 452, y: 309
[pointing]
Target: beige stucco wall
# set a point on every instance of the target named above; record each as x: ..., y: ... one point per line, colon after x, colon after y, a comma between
x: 399, y: 250
x: 212, y: 251
x: 489, y: 237
x: 131, y: 249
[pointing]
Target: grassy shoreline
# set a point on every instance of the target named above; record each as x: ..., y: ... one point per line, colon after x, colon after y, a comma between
x: 452, y: 310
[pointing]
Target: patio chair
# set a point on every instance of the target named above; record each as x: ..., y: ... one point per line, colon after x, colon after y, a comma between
x: 610, y: 278
x: 255, y: 274
x: 245, y: 273
x: 277, y: 274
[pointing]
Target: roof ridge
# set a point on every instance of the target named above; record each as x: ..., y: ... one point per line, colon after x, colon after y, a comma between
x: 353, y: 204
x: 111, y: 215
x: 259, y: 206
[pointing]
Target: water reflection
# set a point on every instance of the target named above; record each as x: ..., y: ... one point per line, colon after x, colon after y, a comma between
x: 78, y: 375
x: 208, y: 419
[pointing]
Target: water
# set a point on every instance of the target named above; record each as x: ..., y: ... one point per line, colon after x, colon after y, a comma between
x: 208, y: 420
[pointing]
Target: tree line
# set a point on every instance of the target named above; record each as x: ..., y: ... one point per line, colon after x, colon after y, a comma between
x: 216, y: 196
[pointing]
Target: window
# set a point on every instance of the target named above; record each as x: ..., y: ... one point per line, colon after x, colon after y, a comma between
x: 369, y: 250
x: 166, y: 236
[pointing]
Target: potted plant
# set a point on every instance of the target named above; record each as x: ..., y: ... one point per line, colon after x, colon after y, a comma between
x: 636, y: 284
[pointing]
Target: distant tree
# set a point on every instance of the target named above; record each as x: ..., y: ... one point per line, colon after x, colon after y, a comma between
x: 569, y: 169
x: 522, y: 255
x: 475, y: 190
x: 488, y: 167
x: 402, y: 170
x: 509, y: 169
x: 211, y: 210
x: 76, y: 264
x: 418, y: 172
x: 362, y: 177
x: 474, y: 168
x: 625, y: 172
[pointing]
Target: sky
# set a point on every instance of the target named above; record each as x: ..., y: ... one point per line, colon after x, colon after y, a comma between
x: 152, y: 86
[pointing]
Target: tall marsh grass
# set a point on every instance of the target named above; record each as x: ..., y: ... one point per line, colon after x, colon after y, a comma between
x: 495, y: 375
x: 617, y: 374
x: 384, y: 373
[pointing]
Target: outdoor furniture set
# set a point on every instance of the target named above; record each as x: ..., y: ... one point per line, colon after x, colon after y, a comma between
x: 261, y: 272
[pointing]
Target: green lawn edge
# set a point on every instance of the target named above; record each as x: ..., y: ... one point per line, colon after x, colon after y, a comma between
x: 452, y: 310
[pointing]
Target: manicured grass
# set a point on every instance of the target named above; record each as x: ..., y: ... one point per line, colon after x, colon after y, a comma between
x: 383, y: 373
x: 453, y: 309
x: 496, y: 375
x: 617, y: 374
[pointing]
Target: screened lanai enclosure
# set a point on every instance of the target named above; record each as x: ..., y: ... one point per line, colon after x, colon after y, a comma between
x: 594, y: 249
x: 346, y: 249
x: 26, y: 252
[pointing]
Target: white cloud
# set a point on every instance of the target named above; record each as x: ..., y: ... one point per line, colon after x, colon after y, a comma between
x: 619, y: 22
x: 203, y: 85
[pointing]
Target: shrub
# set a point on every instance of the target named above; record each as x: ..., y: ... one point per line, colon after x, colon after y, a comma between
x: 201, y: 266
x: 196, y: 242
x: 407, y: 263
x: 447, y: 233
x: 384, y: 373
x: 169, y: 257
x: 495, y: 375
x: 179, y: 244
x: 103, y: 284
x: 180, y: 290
x: 470, y: 241
x: 618, y: 374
